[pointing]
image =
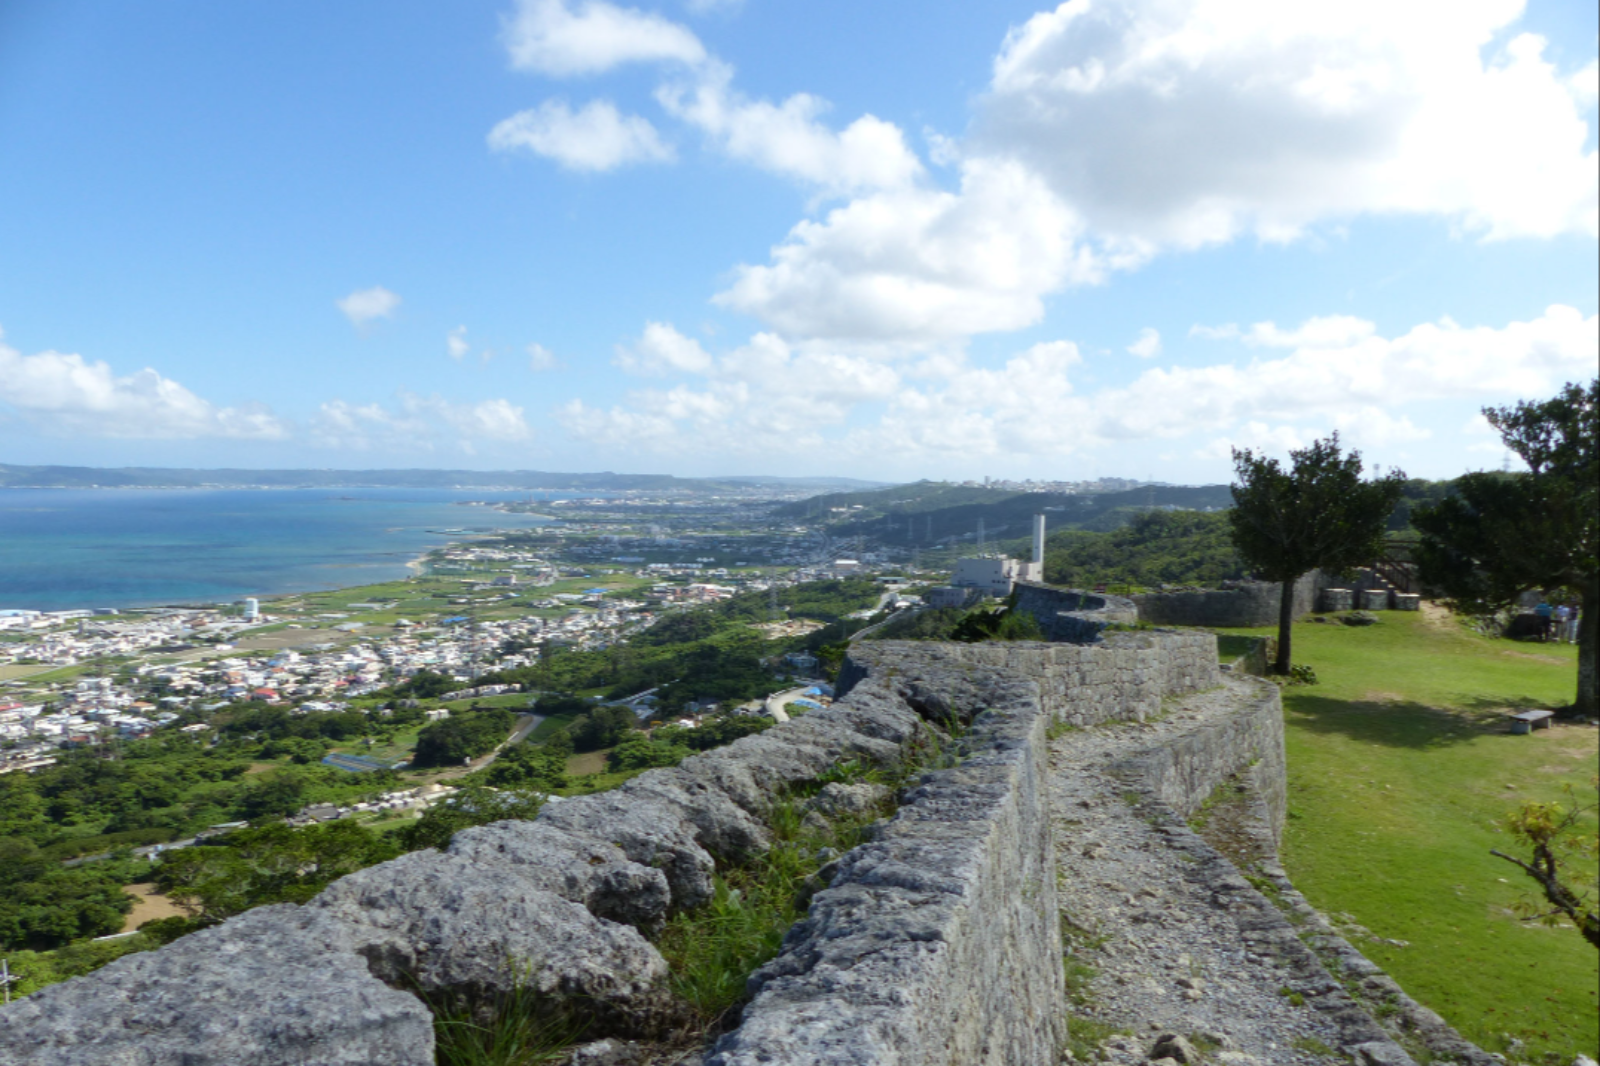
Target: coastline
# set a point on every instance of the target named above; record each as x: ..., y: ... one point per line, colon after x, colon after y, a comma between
x: 138, y: 550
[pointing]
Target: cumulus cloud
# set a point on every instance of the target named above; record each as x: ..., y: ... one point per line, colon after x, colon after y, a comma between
x: 788, y: 139
x: 661, y: 349
x: 762, y: 396
x: 1585, y: 85
x: 541, y: 358
x: 1181, y: 123
x: 1289, y: 386
x: 919, y: 264
x: 66, y: 394
x: 596, y: 137
x: 417, y: 423
x: 1148, y: 346
x: 551, y: 38
x: 1113, y: 131
x: 456, y: 343
x: 1339, y: 365
x: 367, y: 305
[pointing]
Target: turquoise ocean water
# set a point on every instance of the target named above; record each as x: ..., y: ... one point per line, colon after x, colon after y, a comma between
x: 73, y: 548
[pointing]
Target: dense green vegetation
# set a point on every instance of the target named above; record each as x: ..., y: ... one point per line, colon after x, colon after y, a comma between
x: 932, y: 624
x: 825, y: 601
x: 1155, y: 548
x: 44, y: 904
x: 601, y: 727
x: 525, y: 766
x: 172, y: 782
x: 669, y: 745
x: 473, y: 805
x: 1401, y: 773
x: 726, y: 666
x: 274, y: 863
x: 463, y: 736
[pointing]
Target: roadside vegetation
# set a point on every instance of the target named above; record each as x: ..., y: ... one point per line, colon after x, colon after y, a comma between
x: 1402, y: 776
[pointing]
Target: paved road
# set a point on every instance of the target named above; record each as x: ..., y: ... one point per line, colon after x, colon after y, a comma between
x: 775, y: 702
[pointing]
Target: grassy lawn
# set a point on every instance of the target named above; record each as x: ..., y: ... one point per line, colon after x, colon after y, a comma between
x: 1400, y: 764
x: 544, y: 729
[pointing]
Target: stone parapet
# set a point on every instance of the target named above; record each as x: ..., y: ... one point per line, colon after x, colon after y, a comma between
x: 1242, y: 605
x: 937, y: 941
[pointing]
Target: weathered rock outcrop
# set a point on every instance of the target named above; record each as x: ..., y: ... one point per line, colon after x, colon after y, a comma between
x: 595, y: 874
x: 275, y: 987
x: 445, y: 924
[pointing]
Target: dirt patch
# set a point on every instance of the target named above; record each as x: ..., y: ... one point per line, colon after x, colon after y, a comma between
x: 149, y: 904
x: 1436, y: 614
x: 1382, y: 697
x: 590, y: 762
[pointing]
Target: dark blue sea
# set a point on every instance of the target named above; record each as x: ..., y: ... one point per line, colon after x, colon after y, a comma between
x: 73, y: 548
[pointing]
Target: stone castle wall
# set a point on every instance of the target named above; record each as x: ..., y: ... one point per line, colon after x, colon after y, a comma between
x: 1249, y: 603
x: 935, y: 942
x: 939, y: 942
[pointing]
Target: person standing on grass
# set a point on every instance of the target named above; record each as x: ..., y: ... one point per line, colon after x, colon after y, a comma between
x: 1544, y: 612
x: 1563, y: 620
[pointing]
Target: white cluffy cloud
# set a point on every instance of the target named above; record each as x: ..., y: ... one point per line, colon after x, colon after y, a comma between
x: 456, y: 343
x: 541, y: 358
x: 921, y: 265
x: 1116, y: 130
x: 787, y: 139
x: 1327, y: 373
x: 366, y: 305
x: 1181, y: 123
x: 596, y: 137
x: 64, y: 393
x: 1148, y: 346
x: 551, y: 38
x: 418, y: 422
x: 1340, y: 367
x: 663, y: 350
x: 761, y: 397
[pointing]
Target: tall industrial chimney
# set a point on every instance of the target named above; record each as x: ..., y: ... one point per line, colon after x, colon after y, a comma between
x: 1038, y: 542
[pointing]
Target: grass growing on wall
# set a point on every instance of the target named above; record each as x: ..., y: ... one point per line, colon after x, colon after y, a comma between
x: 713, y: 950
x: 1400, y: 764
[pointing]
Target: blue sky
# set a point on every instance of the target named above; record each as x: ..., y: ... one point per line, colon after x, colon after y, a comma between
x: 886, y: 241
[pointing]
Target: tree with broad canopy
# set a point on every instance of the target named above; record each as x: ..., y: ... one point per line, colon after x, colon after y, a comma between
x: 1318, y: 514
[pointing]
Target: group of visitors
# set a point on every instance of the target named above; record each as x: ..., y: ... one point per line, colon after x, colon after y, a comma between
x: 1559, y: 622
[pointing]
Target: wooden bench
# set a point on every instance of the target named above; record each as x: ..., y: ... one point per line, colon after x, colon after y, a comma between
x: 1526, y: 721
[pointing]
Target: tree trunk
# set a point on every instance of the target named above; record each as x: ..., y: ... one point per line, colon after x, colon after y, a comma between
x: 1588, y: 637
x: 1280, y: 665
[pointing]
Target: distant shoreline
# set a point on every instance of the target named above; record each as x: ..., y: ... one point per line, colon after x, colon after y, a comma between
x: 78, y: 550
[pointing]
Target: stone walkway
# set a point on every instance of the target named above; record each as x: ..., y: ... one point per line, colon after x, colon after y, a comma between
x: 1160, y: 946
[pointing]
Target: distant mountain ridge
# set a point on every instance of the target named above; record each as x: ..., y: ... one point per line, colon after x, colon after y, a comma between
x: 83, y: 477
x: 928, y: 513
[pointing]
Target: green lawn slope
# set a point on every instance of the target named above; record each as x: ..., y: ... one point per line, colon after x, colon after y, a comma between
x: 1400, y: 765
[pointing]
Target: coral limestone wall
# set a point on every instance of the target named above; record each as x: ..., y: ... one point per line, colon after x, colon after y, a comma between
x: 935, y: 942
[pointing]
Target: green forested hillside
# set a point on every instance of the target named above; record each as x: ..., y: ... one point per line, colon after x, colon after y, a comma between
x: 1155, y: 548
x: 929, y: 513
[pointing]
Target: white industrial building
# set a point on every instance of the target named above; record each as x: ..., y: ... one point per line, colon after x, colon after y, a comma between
x: 995, y: 574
